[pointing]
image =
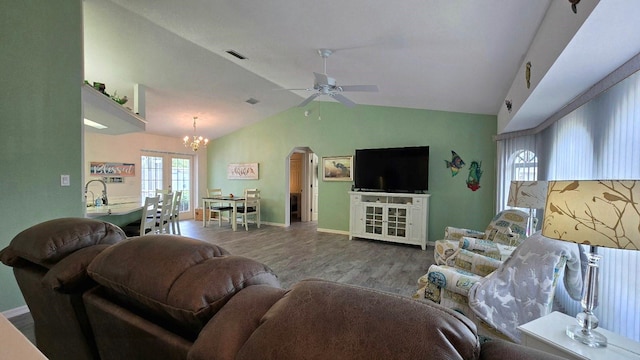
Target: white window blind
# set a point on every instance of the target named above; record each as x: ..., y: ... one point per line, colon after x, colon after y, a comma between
x: 599, y: 140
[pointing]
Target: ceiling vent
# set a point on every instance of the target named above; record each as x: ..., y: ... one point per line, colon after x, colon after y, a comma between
x: 236, y: 54
x: 252, y: 101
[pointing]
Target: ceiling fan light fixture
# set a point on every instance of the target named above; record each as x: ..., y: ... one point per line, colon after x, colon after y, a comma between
x: 325, y: 53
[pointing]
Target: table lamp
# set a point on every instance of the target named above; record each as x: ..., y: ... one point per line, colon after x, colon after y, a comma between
x: 528, y: 195
x: 595, y: 213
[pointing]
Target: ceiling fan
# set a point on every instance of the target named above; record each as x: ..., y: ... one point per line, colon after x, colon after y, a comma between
x: 325, y: 85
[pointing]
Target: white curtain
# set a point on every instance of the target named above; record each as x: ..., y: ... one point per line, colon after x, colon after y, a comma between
x: 599, y: 140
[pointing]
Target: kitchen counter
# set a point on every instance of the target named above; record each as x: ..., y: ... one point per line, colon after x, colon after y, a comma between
x: 115, y: 209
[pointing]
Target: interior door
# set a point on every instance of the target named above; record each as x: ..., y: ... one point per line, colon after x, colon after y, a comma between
x: 310, y: 196
x: 295, y: 185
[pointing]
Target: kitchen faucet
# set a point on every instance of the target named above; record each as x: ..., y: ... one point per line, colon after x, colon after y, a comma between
x: 93, y: 198
x: 104, y: 190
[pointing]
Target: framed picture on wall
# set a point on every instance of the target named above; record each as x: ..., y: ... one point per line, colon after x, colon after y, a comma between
x: 337, y: 168
x: 242, y: 171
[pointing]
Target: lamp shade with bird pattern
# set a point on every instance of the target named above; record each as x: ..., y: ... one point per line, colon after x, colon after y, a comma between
x: 527, y: 194
x: 597, y: 213
x: 594, y: 212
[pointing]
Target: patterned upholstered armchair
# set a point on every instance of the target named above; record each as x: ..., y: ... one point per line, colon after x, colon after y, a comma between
x: 449, y: 285
x: 499, y: 296
x: 507, y: 228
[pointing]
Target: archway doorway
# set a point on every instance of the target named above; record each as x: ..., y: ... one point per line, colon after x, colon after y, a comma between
x: 301, y: 186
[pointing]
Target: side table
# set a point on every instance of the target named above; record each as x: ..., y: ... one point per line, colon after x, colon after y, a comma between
x: 14, y: 345
x: 548, y: 334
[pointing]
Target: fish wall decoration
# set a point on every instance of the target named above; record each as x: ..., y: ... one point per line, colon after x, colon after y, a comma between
x: 455, y: 164
x: 475, y: 172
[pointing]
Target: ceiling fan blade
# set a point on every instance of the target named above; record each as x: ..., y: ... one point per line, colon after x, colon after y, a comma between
x: 305, y: 89
x: 309, y: 99
x: 369, y: 88
x: 321, y: 79
x: 346, y: 102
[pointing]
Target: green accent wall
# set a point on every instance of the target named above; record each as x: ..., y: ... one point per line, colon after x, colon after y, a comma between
x: 341, y: 130
x: 41, y: 113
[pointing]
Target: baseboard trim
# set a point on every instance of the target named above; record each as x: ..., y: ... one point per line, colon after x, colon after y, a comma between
x: 15, y: 311
x: 333, y: 231
x: 269, y: 223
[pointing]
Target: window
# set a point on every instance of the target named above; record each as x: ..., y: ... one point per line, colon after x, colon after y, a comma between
x: 525, y: 166
x: 151, y: 176
x: 181, y: 180
x: 517, y: 161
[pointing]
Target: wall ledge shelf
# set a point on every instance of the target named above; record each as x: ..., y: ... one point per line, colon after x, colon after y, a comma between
x: 102, y: 109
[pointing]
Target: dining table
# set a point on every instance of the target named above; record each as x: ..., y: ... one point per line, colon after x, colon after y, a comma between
x: 233, y: 200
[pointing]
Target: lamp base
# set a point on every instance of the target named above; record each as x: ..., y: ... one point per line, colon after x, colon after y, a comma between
x: 588, y: 337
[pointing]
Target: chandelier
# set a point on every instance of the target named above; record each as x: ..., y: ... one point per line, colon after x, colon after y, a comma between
x: 195, y: 141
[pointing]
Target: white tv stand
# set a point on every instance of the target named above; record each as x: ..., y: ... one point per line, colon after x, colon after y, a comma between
x: 395, y: 217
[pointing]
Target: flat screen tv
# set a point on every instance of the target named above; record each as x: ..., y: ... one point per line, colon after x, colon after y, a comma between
x: 404, y: 169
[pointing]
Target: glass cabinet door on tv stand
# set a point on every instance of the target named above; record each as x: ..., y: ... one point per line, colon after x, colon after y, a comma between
x: 391, y: 217
x: 374, y: 219
x: 386, y: 220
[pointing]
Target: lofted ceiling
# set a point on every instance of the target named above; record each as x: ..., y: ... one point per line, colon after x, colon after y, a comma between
x: 457, y: 56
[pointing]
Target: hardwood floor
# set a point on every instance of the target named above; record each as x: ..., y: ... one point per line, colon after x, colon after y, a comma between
x: 300, y: 252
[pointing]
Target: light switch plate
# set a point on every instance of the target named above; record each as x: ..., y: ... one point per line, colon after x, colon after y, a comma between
x: 65, y: 180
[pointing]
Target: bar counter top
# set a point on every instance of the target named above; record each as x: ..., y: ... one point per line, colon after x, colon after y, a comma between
x: 115, y: 209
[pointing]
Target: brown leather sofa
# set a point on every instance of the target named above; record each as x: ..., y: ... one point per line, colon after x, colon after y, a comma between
x: 49, y: 262
x: 172, y: 297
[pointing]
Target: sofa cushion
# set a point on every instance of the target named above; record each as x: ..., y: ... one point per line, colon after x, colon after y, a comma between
x: 452, y: 278
x: 475, y: 263
x: 70, y: 273
x: 48, y: 242
x: 182, y: 280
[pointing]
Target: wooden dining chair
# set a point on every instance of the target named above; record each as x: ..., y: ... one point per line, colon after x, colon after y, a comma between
x: 240, y: 207
x: 163, y: 222
x: 250, y: 207
x: 217, y: 207
x: 148, y: 219
x: 174, y: 218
